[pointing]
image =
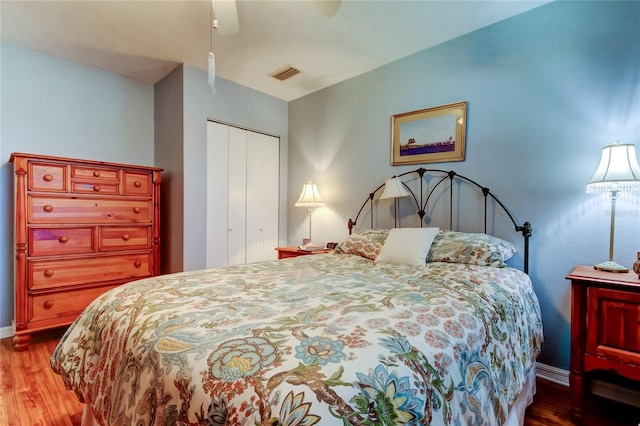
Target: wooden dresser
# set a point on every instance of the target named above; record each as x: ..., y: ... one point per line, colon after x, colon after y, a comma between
x: 81, y: 228
x: 605, y: 332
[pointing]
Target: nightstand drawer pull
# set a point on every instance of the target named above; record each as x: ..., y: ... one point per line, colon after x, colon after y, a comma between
x: 126, y: 237
x: 48, y: 208
x: 96, y: 173
x: 48, y: 304
x: 137, y: 263
x: 136, y: 210
x: 137, y: 184
x: 96, y: 188
x: 47, y: 177
x: 48, y: 272
x: 63, y: 239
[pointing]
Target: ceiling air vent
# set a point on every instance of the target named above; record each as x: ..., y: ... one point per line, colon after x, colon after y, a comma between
x: 285, y: 73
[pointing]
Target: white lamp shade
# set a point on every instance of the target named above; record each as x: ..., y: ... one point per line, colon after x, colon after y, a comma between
x: 310, y: 196
x: 394, y: 188
x: 618, y: 170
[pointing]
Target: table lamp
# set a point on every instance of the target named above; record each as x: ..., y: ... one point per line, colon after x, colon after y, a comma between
x: 309, y: 198
x: 394, y: 188
x: 618, y: 171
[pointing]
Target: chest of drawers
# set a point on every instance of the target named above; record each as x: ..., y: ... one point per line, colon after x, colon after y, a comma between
x: 81, y: 228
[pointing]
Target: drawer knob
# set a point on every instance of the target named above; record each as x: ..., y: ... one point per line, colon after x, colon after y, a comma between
x: 47, y: 177
x: 63, y: 239
x: 126, y: 237
x: 96, y: 188
x: 96, y: 173
x: 137, y: 263
x: 48, y: 272
x: 48, y: 304
x: 137, y: 184
x: 48, y: 208
x: 136, y: 209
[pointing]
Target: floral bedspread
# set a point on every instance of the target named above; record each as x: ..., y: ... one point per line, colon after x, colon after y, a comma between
x: 325, y: 339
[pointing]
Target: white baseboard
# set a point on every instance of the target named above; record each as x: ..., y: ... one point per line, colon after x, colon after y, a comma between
x: 6, y: 332
x: 553, y: 374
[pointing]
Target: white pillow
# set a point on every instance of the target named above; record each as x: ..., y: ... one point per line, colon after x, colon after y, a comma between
x: 407, y: 246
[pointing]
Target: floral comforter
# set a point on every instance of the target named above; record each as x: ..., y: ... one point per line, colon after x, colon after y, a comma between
x: 324, y: 339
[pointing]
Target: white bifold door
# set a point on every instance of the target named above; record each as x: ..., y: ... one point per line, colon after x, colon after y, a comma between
x: 243, y: 169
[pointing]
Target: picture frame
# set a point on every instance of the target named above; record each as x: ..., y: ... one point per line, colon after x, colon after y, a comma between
x: 431, y: 135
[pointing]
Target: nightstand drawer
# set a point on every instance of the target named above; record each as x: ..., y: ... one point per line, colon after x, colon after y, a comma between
x: 613, y: 318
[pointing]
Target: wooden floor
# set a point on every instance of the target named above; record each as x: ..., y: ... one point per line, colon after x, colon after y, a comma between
x: 31, y: 394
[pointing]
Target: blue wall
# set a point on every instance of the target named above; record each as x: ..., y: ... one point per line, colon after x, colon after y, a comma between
x: 546, y: 91
x: 55, y: 107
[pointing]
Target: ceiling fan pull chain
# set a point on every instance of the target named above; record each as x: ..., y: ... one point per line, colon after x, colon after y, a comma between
x: 212, y: 72
x: 212, y: 58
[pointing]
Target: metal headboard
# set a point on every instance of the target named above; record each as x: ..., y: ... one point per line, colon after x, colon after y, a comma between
x: 422, y: 202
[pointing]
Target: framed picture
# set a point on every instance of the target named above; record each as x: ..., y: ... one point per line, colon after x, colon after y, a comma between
x: 432, y: 135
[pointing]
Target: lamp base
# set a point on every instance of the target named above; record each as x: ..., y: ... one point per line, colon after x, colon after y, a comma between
x: 610, y: 266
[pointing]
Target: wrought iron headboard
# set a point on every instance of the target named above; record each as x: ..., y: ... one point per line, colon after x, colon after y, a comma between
x: 421, y: 202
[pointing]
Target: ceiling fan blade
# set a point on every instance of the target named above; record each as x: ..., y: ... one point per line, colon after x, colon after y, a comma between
x: 326, y: 8
x: 226, y: 13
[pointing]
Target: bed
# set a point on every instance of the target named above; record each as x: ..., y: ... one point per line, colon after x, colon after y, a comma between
x: 365, y: 335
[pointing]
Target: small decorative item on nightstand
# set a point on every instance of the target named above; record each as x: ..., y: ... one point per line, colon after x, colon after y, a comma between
x: 636, y: 265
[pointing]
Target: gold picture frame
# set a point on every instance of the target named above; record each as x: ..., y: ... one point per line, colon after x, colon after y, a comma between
x: 432, y: 135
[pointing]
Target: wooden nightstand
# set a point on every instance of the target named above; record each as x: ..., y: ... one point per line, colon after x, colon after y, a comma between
x: 284, y: 252
x: 605, y: 329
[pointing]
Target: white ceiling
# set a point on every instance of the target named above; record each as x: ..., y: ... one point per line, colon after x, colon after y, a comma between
x: 146, y: 39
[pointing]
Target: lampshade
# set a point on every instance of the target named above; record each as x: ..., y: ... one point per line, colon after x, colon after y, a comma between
x: 618, y: 170
x: 394, y: 188
x: 310, y: 196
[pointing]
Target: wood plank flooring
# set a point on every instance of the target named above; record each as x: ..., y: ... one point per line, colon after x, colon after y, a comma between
x: 32, y: 395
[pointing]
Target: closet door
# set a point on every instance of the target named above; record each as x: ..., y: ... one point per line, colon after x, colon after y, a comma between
x: 263, y: 165
x: 243, y: 169
x: 217, y: 194
x: 237, y: 200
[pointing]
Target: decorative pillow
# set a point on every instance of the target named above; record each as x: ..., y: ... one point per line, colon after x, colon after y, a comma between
x: 407, y: 246
x: 366, y: 243
x: 471, y: 248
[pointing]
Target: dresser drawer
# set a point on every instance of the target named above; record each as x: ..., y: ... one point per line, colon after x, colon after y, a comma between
x: 46, y: 274
x: 87, y: 210
x: 47, y: 177
x: 54, y: 241
x: 137, y: 183
x: 63, y: 303
x: 124, y: 238
x: 95, y: 174
x: 83, y: 187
